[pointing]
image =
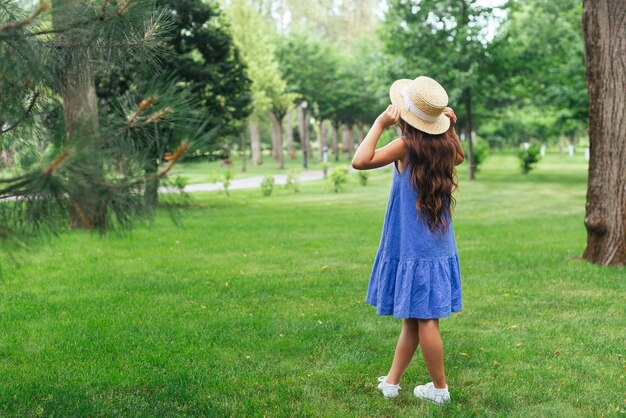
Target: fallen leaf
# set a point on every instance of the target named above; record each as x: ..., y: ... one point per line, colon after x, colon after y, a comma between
x: 464, y: 354
x: 519, y: 345
x: 557, y: 351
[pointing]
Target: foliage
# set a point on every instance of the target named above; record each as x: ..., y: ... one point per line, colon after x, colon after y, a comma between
x: 254, y: 38
x: 80, y: 166
x: 325, y: 166
x: 177, y: 196
x: 529, y: 157
x: 481, y: 151
x: 267, y: 185
x: 199, y: 51
x: 537, y: 62
x: 225, y: 178
x: 291, y: 181
x: 363, y: 176
x: 338, y: 178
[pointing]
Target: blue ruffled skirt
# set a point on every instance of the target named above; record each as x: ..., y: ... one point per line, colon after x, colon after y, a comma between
x: 415, y: 288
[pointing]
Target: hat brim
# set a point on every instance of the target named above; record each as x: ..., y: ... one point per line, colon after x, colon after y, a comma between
x: 441, y: 125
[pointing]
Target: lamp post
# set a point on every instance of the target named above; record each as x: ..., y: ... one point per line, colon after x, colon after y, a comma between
x: 303, y: 139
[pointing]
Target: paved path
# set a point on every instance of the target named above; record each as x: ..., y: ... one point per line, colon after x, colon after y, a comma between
x: 248, y: 183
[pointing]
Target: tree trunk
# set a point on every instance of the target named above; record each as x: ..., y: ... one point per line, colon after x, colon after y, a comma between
x: 307, y: 135
x: 604, y: 27
x: 291, y: 150
x: 323, y: 138
x: 336, y: 140
x: 302, y: 133
x: 255, y: 144
x: 469, y: 129
x: 348, y: 140
x: 277, y: 135
x: 561, y: 144
x: 80, y: 111
x: 243, y: 153
x: 360, y: 129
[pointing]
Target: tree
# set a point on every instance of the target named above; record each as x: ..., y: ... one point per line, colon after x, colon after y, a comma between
x: 604, y: 24
x: 254, y: 38
x: 308, y: 66
x: 536, y: 61
x: 446, y: 40
x: 85, y: 166
x: 200, y: 52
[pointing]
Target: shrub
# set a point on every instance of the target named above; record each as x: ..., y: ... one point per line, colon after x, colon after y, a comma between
x: 338, y: 178
x: 180, y: 198
x: 529, y: 157
x: 325, y: 167
x: 267, y: 185
x: 292, y: 181
x: 481, y: 151
x: 363, y: 176
x: 224, y: 179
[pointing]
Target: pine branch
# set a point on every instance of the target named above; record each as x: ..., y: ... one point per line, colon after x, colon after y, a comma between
x: 28, y: 21
x: 28, y: 110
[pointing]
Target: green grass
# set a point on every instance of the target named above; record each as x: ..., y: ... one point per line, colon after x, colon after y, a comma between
x: 204, y: 171
x: 256, y: 307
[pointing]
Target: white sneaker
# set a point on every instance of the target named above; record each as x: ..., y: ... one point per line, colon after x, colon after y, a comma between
x: 432, y: 394
x: 388, y: 390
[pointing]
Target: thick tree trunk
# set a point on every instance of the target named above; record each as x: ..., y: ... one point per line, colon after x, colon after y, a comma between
x: 291, y: 150
x: 323, y: 138
x: 277, y: 138
x: 336, y: 141
x: 80, y: 112
x: 255, y: 143
x: 604, y: 26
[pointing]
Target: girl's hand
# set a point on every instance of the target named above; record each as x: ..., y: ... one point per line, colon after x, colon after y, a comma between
x: 450, y: 114
x: 390, y: 116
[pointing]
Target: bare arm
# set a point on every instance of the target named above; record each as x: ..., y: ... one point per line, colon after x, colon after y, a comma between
x: 367, y: 156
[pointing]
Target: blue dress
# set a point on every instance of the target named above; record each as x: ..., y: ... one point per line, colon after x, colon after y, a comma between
x: 416, y: 273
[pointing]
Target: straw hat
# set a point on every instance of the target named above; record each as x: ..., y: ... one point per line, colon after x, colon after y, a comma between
x: 421, y: 102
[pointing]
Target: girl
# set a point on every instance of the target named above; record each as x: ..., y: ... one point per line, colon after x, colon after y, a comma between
x: 416, y: 273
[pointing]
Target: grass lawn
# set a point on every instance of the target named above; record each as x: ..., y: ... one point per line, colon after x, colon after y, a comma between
x: 255, y: 306
x: 204, y: 171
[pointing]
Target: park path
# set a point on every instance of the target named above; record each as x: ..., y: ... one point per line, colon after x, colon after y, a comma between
x: 247, y: 183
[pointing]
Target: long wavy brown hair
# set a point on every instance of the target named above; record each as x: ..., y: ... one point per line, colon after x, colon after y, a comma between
x: 433, y: 175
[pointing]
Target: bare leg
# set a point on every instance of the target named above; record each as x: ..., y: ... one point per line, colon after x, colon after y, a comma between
x: 405, y: 349
x: 432, y: 350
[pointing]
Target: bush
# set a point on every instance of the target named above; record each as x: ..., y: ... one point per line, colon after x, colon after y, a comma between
x: 529, y: 157
x: 481, y: 150
x: 338, y: 178
x: 325, y: 167
x: 224, y: 179
x: 267, y: 185
x: 179, y: 199
x: 363, y: 176
x: 292, y: 181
